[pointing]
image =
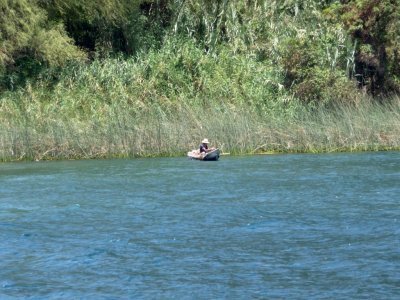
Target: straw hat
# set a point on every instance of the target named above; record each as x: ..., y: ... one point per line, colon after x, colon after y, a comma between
x: 205, y: 141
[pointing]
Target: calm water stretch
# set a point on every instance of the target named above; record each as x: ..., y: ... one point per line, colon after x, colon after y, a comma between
x: 261, y: 227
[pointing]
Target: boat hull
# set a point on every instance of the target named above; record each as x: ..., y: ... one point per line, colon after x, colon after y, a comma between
x: 210, y: 156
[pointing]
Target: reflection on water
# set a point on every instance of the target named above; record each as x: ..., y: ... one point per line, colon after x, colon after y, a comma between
x: 279, y: 226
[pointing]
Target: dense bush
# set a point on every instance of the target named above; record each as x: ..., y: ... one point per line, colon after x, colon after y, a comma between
x: 29, y: 43
x: 375, y: 25
x: 313, y: 46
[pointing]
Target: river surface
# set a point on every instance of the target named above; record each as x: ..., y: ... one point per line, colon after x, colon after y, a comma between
x: 260, y: 227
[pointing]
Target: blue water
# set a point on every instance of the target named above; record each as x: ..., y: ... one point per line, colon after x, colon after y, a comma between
x: 261, y: 227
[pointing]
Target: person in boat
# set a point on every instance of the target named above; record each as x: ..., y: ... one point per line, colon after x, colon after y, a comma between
x: 204, y: 147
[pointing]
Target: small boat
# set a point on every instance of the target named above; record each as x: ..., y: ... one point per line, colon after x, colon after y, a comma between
x: 212, y: 155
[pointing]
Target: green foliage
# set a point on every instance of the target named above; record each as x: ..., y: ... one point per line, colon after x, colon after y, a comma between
x: 108, y: 27
x: 306, y: 48
x: 70, y: 123
x: 164, y: 101
x: 265, y: 75
x: 29, y: 43
x: 316, y: 67
x: 376, y: 27
x: 95, y: 25
x: 297, y: 36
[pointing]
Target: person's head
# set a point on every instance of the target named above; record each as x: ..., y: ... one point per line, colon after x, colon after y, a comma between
x: 205, y: 141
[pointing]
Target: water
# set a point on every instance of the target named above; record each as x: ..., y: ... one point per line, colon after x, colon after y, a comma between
x: 261, y: 227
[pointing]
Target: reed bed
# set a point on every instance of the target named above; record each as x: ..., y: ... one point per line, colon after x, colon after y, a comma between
x: 165, y: 102
x: 157, y: 131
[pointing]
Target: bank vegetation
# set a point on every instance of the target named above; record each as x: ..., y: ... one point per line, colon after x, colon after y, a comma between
x: 152, y: 78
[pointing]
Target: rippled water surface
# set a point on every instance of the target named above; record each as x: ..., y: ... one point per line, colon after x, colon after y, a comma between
x: 261, y: 227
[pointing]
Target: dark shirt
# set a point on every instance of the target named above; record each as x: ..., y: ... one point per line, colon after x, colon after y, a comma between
x: 203, y: 148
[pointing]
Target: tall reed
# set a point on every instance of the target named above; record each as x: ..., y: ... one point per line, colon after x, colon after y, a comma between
x: 158, y: 131
x: 164, y: 103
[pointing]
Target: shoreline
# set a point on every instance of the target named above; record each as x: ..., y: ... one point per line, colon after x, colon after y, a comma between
x: 182, y: 155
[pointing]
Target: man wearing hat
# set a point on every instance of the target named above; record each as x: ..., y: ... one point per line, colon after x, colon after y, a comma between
x: 204, y: 146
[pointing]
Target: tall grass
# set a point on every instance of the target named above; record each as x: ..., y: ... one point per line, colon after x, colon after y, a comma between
x: 164, y: 103
x: 159, y: 132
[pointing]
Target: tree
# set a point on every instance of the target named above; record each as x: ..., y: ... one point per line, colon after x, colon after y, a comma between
x: 29, y: 42
x: 99, y: 26
x: 375, y: 26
